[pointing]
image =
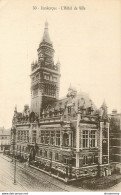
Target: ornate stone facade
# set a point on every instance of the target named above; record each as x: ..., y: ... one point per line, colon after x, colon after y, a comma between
x: 115, y: 138
x: 69, y: 136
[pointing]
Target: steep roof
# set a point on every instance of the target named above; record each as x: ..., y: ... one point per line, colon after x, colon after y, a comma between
x: 80, y: 99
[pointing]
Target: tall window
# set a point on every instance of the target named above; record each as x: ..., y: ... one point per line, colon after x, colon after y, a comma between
x: 23, y: 148
x: 40, y: 152
x: 56, y: 157
x: 65, y: 139
x: 93, y: 159
x: 85, y: 160
x: 50, y: 155
x: 52, y: 137
x: 24, y: 135
x: 45, y: 154
x: 85, y: 139
x: 18, y: 138
x: 93, y: 138
x: 27, y: 136
x: 42, y: 137
x: 69, y: 110
x: 54, y: 91
x: 47, y: 137
x: 34, y: 136
x: 57, y: 138
x: 21, y: 135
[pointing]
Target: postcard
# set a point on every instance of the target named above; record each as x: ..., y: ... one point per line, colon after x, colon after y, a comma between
x: 60, y: 96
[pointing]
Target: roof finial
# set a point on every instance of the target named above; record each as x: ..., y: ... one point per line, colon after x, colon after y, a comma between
x: 15, y: 110
x: 70, y: 86
x: 104, y: 104
x: 46, y: 24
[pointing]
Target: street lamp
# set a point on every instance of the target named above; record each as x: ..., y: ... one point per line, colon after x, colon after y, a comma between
x: 14, y: 139
x: 15, y: 172
x: 51, y: 162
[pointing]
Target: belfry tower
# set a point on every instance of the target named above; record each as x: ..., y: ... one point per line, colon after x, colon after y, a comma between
x: 45, y: 76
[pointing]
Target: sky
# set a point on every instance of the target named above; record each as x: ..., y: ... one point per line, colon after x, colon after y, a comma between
x: 86, y: 42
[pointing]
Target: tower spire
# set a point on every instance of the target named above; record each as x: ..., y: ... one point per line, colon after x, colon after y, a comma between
x: 46, y: 37
x: 46, y: 89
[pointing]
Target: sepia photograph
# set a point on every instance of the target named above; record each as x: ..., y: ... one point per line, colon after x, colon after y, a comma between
x: 60, y: 96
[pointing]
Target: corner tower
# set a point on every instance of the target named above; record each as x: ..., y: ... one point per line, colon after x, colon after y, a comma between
x: 45, y: 76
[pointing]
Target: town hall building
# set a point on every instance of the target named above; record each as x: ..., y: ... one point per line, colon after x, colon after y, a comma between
x: 68, y: 137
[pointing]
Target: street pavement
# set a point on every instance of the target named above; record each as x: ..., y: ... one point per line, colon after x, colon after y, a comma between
x: 31, y: 180
x: 6, y: 177
x: 28, y: 179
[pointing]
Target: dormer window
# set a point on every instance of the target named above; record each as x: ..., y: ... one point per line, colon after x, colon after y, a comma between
x: 69, y: 110
x: 89, y: 110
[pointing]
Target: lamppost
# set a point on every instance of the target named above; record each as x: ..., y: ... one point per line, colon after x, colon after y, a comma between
x: 51, y: 162
x: 14, y: 139
x: 15, y: 172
